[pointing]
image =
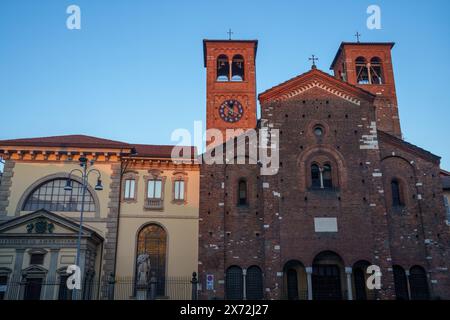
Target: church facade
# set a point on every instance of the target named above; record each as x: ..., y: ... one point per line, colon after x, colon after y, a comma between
x: 349, y: 192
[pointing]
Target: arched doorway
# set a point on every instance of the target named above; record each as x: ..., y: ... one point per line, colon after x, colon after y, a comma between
x: 400, y: 282
x: 359, y: 281
x: 327, y: 276
x: 418, y: 284
x: 294, y: 282
x: 234, y: 283
x: 152, y: 240
x: 254, y: 283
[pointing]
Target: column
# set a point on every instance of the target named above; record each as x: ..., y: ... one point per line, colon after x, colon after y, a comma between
x: 51, y: 276
x: 407, y: 284
x: 309, y: 279
x: 244, y: 278
x: 16, y: 276
x: 348, y: 273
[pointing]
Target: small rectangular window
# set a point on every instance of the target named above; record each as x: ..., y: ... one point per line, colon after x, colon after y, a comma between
x: 129, y: 189
x: 37, y: 258
x: 154, y: 189
x: 179, y: 190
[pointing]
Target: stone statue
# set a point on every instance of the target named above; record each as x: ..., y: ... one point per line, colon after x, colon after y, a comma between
x: 143, y: 269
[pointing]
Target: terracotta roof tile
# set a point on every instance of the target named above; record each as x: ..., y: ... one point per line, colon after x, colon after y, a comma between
x: 66, y: 141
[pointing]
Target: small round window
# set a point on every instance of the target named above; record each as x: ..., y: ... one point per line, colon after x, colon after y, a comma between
x: 318, y: 131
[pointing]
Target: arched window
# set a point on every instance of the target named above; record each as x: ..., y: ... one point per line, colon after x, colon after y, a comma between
x: 397, y: 200
x: 237, y: 68
x: 234, y: 283
x: 418, y: 284
x: 51, y: 196
x: 242, y: 192
x: 400, y: 282
x: 376, y: 71
x: 223, y: 68
x: 254, y: 283
x: 362, y: 73
x: 152, y: 240
x: 321, y: 177
x: 327, y: 181
x: 315, y: 176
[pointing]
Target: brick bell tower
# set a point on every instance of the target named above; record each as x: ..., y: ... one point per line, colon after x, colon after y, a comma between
x: 369, y: 66
x: 230, y: 84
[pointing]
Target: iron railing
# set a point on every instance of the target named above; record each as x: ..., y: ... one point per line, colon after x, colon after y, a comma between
x: 173, y: 288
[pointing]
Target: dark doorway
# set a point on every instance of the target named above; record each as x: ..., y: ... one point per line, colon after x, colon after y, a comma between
x: 254, y: 283
x: 400, y: 282
x: 418, y: 284
x: 234, y: 283
x: 33, y: 287
x: 292, y: 285
x: 360, y: 284
x: 326, y: 282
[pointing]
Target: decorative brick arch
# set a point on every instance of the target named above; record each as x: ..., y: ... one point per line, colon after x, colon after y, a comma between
x: 325, y: 154
x: 406, y: 188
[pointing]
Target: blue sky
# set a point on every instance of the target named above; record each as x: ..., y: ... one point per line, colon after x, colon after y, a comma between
x: 134, y: 72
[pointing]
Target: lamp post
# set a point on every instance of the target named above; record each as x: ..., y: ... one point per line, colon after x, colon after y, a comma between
x: 84, y: 163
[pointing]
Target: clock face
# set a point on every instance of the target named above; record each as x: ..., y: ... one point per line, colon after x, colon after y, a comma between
x: 231, y: 111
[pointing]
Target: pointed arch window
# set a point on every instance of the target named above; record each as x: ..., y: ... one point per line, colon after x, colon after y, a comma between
x: 223, y: 68
x: 237, y: 68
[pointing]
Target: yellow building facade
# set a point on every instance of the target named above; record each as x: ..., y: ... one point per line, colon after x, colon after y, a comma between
x: 139, y: 201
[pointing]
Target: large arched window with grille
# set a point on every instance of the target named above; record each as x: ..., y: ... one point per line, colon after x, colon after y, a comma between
x: 418, y: 284
x: 51, y: 196
x: 152, y: 240
x: 234, y: 283
x: 254, y: 283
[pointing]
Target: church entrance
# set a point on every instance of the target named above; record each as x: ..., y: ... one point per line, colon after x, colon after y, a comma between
x: 327, y: 277
x: 326, y: 282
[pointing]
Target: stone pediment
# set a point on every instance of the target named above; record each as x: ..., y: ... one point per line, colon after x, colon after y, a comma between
x: 44, y: 223
x: 316, y: 79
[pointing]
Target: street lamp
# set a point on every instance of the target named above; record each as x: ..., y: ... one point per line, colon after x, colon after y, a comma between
x: 84, y: 182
